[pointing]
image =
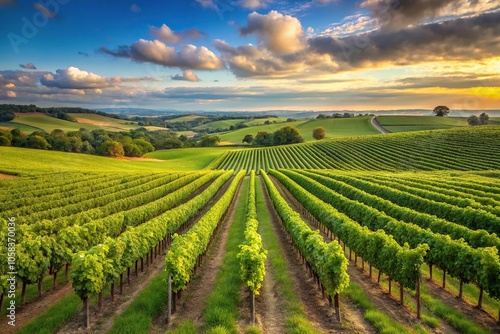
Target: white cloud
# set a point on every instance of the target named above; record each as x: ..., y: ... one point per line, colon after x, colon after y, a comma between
x: 207, y: 4
x: 187, y: 75
x: 165, y: 34
x: 74, y: 78
x: 275, y: 31
x: 156, y: 52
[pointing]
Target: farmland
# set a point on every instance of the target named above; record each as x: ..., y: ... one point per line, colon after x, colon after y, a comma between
x: 365, y: 234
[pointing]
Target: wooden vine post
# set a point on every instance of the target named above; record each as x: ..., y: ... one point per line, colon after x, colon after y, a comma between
x: 418, y: 298
x: 86, y: 316
x: 337, y: 306
x: 252, y: 306
x: 169, y: 302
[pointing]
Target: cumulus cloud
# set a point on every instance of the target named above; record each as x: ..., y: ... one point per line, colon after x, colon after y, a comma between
x: 460, y: 39
x: 187, y: 75
x: 74, y: 78
x: 275, y: 31
x: 165, y: 34
x: 29, y: 66
x: 402, y: 13
x: 10, y: 85
x: 156, y: 52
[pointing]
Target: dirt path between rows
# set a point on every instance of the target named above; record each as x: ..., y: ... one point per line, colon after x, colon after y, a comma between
x: 190, y: 305
x: 316, y: 308
x: 379, y: 297
x: 471, y: 312
x: 26, y: 313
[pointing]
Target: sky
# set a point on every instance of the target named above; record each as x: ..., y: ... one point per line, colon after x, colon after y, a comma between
x: 251, y: 55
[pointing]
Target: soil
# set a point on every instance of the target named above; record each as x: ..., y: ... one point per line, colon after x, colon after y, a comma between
x: 471, y: 312
x: 26, y: 313
x: 7, y: 176
x: 190, y: 305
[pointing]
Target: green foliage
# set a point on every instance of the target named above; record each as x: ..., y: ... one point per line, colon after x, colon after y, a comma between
x: 111, y: 148
x: 287, y: 135
x: 252, y: 254
x: 184, y: 250
x: 209, y: 141
x: 441, y: 111
x: 87, y: 274
x: 248, y: 139
x: 319, y: 133
x: 327, y: 260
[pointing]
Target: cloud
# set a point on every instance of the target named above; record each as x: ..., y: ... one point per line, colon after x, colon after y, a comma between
x: 187, y: 75
x: 402, y: 13
x: 134, y: 8
x: 10, y: 93
x: 276, y: 32
x: 464, y: 80
x: 253, y: 4
x: 207, y: 4
x: 44, y: 10
x: 460, y: 39
x: 350, y: 25
x: 74, y: 78
x: 165, y: 34
x: 81, y: 53
x: 28, y: 66
x: 156, y: 52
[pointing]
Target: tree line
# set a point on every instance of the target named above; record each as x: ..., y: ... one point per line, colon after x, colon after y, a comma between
x: 133, y: 143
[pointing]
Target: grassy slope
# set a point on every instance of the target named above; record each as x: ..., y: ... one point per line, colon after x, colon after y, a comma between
x: 418, y: 123
x: 48, y: 123
x: 107, y: 123
x: 29, y: 161
x: 338, y: 127
x: 225, y: 124
x: 185, y: 118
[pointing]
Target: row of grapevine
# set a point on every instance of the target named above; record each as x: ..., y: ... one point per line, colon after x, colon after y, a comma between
x: 480, y: 265
x: 327, y: 260
x: 186, y: 249
x: 83, y: 202
x: 438, y: 194
x: 39, y: 250
x: 252, y: 254
x: 459, y: 149
x: 475, y: 238
x: 92, y: 269
x: 469, y: 217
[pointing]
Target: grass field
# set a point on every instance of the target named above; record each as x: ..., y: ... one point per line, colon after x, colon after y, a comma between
x: 15, y: 125
x: 187, y: 118
x: 225, y: 124
x: 419, y: 123
x: 338, y: 127
x: 107, y: 123
x: 30, y: 161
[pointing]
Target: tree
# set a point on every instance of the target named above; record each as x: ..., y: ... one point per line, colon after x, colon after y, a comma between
x: 248, y: 139
x: 484, y: 119
x: 473, y: 120
x: 441, y: 111
x: 209, y: 141
x: 263, y: 138
x: 287, y: 135
x: 319, y: 133
x: 38, y: 142
x: 321, y: 116
x: 111, y: 148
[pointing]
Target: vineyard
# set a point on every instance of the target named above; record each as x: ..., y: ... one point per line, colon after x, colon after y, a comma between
x: 458, y: 149
x: 378, y: 234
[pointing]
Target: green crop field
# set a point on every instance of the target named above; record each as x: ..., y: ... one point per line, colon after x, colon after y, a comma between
x: 323, y: 225
x: 236, y: 136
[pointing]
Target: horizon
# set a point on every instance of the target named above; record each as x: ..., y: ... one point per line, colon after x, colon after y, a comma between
x: 252, y: 55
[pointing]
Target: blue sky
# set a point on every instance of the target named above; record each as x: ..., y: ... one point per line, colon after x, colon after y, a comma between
x: 251, y: 54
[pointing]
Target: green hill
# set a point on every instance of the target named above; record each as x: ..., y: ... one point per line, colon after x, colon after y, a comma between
x: 419, y: 123
x: 236, y: 136
x: 338, y: 127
